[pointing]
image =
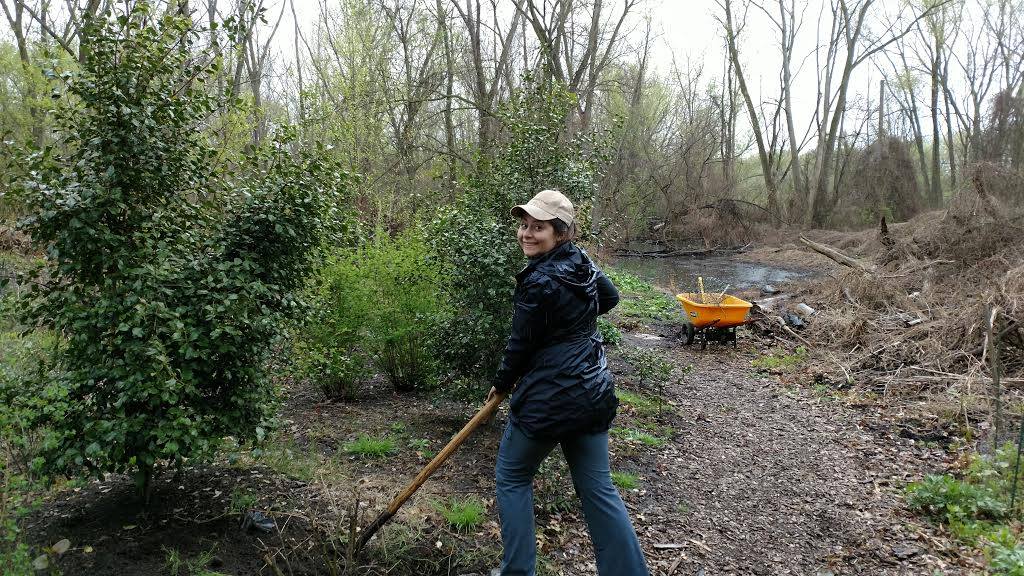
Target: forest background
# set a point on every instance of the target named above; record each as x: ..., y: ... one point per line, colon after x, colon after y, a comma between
x: 409, y: 95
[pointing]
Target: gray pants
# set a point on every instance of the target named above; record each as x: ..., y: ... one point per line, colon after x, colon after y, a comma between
x: 615, y: 544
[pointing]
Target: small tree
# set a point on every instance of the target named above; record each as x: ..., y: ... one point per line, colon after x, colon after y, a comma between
x: 475, y: 240
x: 167, y: 302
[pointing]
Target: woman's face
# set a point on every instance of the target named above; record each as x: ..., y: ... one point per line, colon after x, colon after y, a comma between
x: 536, y: 237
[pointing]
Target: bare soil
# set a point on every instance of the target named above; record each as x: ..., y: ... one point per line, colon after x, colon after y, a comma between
x: 758, y: 475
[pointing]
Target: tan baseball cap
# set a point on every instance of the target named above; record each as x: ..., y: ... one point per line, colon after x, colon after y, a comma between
x: 548, y: 205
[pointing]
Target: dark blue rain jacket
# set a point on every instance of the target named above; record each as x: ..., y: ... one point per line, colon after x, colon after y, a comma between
x: 555, y: 351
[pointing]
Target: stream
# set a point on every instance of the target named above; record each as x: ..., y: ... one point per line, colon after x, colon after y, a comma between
x: 719, y: 272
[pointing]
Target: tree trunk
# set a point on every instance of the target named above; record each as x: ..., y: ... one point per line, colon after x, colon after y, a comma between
x: 935, y: 192
x: 17, y: 21
x: 950, y: 145
x: 763, y: 153
x: 449, y: 124
x: 787, y: 26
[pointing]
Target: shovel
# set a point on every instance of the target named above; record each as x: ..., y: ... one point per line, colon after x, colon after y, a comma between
x: 482, y: 416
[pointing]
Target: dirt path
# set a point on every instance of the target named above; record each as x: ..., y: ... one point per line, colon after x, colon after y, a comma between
x: 769, y: 479
x: 754, y: 477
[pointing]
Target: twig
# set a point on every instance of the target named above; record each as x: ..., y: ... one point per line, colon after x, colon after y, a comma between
x: 790, y: 331
x: 992, y: 339
x: 918, y: 268
x: 1012, y: 325
x: 273, y: 565
x: 672, y: 568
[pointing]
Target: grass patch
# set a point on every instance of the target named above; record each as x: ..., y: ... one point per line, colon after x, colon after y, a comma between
x: 464, y: 514
x: 406, y: 549
x: 975, y: 508
x: 175, y: 564
x: 639, y: 299
x: 634, y: 435
x: 625, y: 480
x: 642, y: 405
x: 289, y: 460
x: 780, y: 362
x: 371, y: 447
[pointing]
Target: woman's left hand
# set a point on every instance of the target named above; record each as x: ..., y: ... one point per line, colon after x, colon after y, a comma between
x: 491, y: 395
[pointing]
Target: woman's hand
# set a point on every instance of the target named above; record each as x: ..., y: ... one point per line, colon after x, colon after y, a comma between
x: 491, y: 394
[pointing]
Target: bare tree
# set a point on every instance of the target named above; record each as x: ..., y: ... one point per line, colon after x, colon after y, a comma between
x: 732, y: 27
x: 576, y: 47
x: 487, y: 79
x: 848, y: 47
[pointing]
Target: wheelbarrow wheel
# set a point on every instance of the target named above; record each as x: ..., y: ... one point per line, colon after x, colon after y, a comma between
x: 688, y: 333
x: 704, y: 340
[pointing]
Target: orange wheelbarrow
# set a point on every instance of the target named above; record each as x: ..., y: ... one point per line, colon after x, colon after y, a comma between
x: 712, y: 318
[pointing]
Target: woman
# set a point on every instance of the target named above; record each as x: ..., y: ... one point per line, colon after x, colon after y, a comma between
x: 562, y: 392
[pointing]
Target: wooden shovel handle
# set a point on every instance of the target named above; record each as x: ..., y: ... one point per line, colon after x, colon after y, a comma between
x: 482, y: 416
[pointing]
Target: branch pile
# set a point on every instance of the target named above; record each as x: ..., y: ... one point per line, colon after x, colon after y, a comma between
x: 912, y: 306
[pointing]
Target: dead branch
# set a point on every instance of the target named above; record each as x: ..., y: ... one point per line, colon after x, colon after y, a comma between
x: 838, y: 256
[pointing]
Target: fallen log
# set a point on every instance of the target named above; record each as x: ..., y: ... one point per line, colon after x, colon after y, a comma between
x: 714, y: 251
x: 838, y: 256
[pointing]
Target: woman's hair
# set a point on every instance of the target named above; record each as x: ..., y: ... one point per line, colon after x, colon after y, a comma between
x: 564, y: 231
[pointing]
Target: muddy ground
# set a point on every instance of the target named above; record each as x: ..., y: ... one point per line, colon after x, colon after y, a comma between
x: 758, y: 473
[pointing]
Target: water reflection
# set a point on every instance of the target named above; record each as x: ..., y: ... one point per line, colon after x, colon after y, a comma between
x: 680, y: 274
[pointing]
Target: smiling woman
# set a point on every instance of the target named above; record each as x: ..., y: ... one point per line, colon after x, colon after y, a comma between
x: 562, y: 391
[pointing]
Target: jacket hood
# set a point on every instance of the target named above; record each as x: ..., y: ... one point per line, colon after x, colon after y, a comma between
x: 570, y: 266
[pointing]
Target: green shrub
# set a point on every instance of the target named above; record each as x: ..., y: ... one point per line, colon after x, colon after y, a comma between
x: 463, y: 514
x: 625, y: 481
x: 241, y: 501
x: 470, y: 388
x: 975, y: 508
x: 639, y: 299
x: 1005, y: 554
x: 168, y: 276
x: 336, y: 373
x: 954, y: 501
x: 609, y: 332
x: 23, y: 357
x: 479, y: 258
x: 382, y: 298
x: 370, y: 447
x: 407, y: 361
x: 16, y: 502
x: 418, y: 444
x: 650, y: 366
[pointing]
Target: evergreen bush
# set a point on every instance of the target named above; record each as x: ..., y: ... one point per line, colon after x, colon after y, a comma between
x: 474, y: 241
x: 167, y: 278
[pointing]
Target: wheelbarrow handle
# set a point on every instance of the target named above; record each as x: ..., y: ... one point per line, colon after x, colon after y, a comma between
x: 481, y: 416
